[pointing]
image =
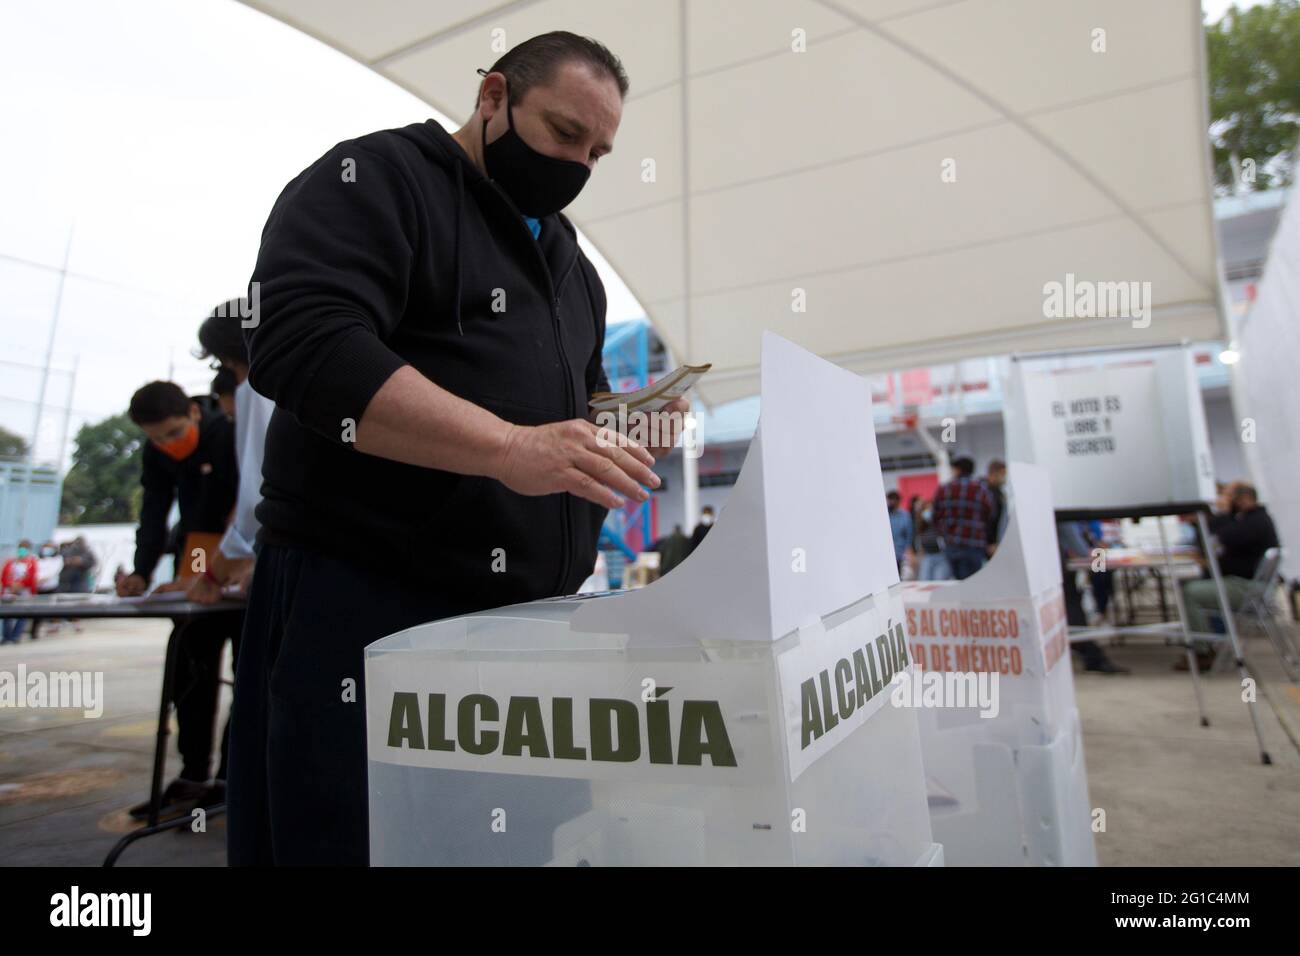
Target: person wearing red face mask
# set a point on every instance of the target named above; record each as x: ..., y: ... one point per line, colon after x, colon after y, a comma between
x: 189, y: 459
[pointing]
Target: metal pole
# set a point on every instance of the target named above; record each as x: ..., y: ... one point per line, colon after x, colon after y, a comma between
x: 1231, y: 625
x: 1192, y: 667
x: 67, y: 411
x: 45, y: 381
x: 943, y: 464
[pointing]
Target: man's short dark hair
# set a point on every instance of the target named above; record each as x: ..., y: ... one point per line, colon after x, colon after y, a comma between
x: 534, y: 62
x: 1247, y: 489
x: 222, y: 334
x: 964, y: 466
x: 997, y: 464
x: 157, y: 402
x: 894, y: 495
x: 223, y: 383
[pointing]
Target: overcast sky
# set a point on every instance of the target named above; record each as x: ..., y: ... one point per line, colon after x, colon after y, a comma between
x: 157, y: 133
x: 1214, y: 9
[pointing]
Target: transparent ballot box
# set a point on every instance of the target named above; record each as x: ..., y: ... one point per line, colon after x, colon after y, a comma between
x: 1006, y: 781
x: 734, y: 711
x: 505, y: 738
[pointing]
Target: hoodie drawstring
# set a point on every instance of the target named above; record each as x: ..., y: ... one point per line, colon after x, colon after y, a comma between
x: 460, y: 202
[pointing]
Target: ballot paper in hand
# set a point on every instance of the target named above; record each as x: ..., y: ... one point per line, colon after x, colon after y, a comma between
x: 653, y: 397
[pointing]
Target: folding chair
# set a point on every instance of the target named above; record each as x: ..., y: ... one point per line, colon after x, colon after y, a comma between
x: 1258, y: 608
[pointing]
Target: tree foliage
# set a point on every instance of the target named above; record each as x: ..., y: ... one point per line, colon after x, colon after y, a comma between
x: 1254, y: 66
x: 11, y: 445
x: 103, y: 484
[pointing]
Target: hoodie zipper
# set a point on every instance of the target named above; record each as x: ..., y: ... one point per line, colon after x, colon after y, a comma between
x: 553, y: 288
x: 569, y: 499
x: 455, y: 154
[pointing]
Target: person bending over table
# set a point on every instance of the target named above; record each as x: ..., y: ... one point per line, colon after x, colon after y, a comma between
x: 189, y: 458
x: 1073, y: 543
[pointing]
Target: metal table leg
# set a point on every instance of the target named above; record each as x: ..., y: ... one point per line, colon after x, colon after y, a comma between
x: 1192, y: 666
x: 159, y: 752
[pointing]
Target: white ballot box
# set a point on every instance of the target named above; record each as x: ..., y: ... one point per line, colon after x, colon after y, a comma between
x: 1005, y: 774
x: 734, y: 712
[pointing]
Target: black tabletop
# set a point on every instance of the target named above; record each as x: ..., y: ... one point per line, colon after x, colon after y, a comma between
x: 88, y: 606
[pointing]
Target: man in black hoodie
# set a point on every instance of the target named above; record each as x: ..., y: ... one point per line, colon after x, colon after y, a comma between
x: 430, y: 333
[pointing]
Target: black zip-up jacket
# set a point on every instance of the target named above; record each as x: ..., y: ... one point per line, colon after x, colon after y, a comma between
x: 1244, y: 536
x: 205, y: 483
x: 394, y: 249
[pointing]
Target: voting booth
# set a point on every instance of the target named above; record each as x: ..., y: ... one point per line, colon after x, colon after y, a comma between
x: 734, y: 712
x: 1127, y: 437
x: 1005, y: 774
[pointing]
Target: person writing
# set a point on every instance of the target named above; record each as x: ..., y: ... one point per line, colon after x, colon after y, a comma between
x: 430, y: 333
x: 222, y: 339
x: 189, y: 459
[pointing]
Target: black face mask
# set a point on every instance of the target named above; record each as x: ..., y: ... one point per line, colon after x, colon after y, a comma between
x: 538, y: 184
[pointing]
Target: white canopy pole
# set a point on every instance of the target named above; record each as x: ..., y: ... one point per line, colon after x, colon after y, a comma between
x: 692, y: 446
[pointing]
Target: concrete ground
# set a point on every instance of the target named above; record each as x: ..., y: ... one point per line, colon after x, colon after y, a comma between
x: 1179, y: 794
x: 66, y: 781
x: 1175, y: 793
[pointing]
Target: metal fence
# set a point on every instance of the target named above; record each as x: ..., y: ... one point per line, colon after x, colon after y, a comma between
x: 29, y: 503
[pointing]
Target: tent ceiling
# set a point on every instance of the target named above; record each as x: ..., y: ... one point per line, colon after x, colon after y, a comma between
x: 778, y: 170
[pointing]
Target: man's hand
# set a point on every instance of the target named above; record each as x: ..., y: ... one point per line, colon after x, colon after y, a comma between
x: 678, y: 409
x: 176, y: 584
x: 243, y: 577
x: 577, y: 457
x: 203, y: 590
x: 132, y: 585
x: 669, y: 423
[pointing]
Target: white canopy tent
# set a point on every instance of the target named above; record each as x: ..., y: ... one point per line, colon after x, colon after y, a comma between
x: 780, y: 174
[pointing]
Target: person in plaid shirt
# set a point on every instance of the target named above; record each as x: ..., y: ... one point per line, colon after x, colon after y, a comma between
x: 963, y: 509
